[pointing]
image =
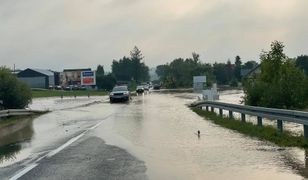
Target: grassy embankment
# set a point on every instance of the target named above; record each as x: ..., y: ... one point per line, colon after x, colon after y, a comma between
x: 59, y: 93
x: 268, y: 133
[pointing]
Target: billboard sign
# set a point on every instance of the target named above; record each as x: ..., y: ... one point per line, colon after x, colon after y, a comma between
x: 199, y: 79
x: 88, y: 78
x: 199, y: 82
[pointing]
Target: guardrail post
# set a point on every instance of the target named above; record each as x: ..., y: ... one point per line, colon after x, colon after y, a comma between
x: 220, y: 112
x: 306, y: 132
x: 207, y: 108
x: 259, y: 121
x: 243, y: 117
x: 230, y: 114
x: 212, y: 109
x: 279, y: 125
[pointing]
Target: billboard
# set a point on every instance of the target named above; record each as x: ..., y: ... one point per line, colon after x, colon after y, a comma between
x: 199, y: 79
x: 199, y: 82
x: 88, y: 78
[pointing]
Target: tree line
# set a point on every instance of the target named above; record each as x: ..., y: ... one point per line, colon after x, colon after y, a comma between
x: 127, y: 70
x: 282, y: 82
x: 179, y: 73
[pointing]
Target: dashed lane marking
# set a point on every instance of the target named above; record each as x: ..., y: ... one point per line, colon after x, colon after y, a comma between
x: 55, y: 151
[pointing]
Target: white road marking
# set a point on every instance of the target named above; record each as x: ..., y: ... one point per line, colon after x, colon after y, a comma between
x: 55, y: 151
x: 24, y: 171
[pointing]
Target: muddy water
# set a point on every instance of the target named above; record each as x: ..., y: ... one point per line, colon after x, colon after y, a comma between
x: 26, y: 139
x: 160, y: 130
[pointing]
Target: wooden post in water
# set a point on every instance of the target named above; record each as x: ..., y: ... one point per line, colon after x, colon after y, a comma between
x: 230, y: 114
x: 259, y: 121
x: 279, y: 125
x: 306, y: 132
x: 243, y: 117
x: 220, y: 112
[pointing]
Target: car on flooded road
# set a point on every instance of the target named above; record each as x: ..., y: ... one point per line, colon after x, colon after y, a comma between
x: 139, y: 89
x: 119, y: 94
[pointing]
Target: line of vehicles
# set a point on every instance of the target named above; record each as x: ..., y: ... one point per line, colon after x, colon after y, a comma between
x: 122, y: 94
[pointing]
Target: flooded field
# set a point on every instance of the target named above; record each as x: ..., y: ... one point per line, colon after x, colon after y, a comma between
x: 158, y: 129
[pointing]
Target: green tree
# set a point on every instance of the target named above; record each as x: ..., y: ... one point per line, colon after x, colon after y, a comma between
x: 100, y: 74
x: 179, y: 73
x: 100, y: 70
x: 302, y: 63
x: 280, y: 85
x: 108, y: 82
x: 238, y: 67
x: 250, y: 64
x: 131, y: 68
x: 221, y: 73
x: 14, y: 93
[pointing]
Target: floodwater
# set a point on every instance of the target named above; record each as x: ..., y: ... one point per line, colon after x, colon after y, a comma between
x: 29, y: 138
x: 160, y: 130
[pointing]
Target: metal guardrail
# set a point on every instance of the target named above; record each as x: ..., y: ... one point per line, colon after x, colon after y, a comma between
x: 280, y: 115
x: 19, y: 112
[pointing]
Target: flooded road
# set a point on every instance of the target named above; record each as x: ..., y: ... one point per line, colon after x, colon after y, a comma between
x: 157, y: 133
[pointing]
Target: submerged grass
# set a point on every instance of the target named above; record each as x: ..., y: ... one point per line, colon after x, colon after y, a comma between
x: 59, y: 93
x: 6, y: 121
x: 268, y: 133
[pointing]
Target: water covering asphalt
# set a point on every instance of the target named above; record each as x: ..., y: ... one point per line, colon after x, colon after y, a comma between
x: 152, y: 137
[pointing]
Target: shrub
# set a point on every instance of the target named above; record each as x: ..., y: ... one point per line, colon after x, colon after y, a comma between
x: 14, y: 93
x: 280, y: 85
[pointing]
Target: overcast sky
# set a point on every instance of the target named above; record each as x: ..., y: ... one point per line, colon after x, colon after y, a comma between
x: 57, y: 34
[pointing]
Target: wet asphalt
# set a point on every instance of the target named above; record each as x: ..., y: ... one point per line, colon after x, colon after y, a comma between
x: 151, y: 137
x: 90, y: 158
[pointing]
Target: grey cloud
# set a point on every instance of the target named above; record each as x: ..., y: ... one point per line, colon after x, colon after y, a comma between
x: 83, y: 33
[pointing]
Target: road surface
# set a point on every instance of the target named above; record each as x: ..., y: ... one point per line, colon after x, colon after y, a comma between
x: 152, y: 137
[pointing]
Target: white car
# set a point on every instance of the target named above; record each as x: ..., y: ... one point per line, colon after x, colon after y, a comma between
x: 119, y: 93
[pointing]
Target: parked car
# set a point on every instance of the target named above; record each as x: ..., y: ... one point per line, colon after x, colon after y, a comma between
x: 146, y: 87
x: 156, y: 86
x: 58, y: 88
x: 75, y: 87
x: 119, y: 93
x: 139, y: 89
x: 83, y: 88
x: 67, y: 88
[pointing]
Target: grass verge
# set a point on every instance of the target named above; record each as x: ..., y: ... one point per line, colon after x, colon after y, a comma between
x: 268, y: 133
x: 6, y: 121
x: 59, y: 93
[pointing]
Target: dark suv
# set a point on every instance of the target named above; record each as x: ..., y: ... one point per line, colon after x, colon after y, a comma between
x: 119, y: 93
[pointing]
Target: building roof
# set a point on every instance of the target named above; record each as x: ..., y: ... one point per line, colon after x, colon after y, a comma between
x: 43, y: 71
x: 84, y: 69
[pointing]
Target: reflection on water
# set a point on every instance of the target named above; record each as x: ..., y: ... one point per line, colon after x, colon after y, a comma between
x: 13, y: 134
x: 160, y: 130
x: 9, y: 152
